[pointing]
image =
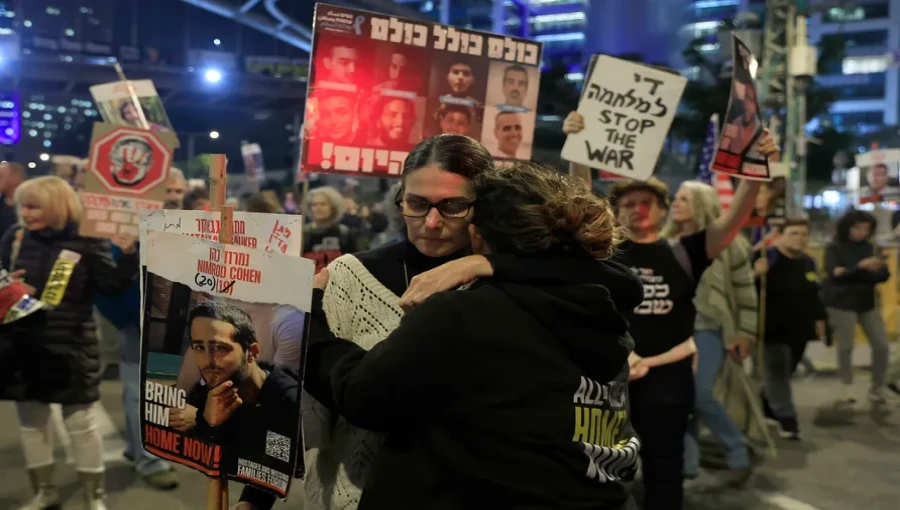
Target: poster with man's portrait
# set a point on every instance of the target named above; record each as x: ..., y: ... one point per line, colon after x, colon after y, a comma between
x: 222, y: 353
x: 743, y: 127
x: 117, y: 106
x: 879, y: 176
x: 380, y: 84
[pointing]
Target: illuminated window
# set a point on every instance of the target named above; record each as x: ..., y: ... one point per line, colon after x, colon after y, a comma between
x: 26, y: 115
x: 27, y: 23
x: 47, y: 116
x: 53, y: 11
x: 48, y: 143
x: 864, y: 65
x: 32, y: 133
x: 70, y: 32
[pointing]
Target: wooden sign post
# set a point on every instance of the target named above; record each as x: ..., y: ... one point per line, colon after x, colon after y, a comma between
x: 217, y: 490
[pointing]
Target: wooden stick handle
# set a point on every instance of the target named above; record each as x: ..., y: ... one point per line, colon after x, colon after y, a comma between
x: 217, y: 489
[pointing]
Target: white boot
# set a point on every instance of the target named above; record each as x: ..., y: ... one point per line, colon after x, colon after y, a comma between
x: 94, y: 493
x: 46, y: 497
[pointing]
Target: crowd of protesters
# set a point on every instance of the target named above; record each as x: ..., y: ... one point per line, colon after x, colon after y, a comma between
x: 673, y: 297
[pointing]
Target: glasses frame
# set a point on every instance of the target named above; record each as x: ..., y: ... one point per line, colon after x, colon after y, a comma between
x: 431, y: 205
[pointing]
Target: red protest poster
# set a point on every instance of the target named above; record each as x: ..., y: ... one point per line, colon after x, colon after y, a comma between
x: 743, y: 127
x: 379, y: 85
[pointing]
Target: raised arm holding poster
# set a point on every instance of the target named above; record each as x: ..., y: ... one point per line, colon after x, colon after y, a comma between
x: 379, y: 85
x: 743, y: 126
x: 241, y: 418
x: 627, y: 109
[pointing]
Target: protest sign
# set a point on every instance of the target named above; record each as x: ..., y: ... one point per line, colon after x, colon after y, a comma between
x: 127, y: 171
x: 628, y: 109
x: 380, y: 84
x: 771, y: 207
x: 743, y: 128
x: 879, y: 173
x: 222, y: 358
x: 116, y: 105
x: 269, y: 232
x: 254, y: 167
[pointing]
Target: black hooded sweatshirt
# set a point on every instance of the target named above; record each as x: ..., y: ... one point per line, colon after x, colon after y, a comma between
x: 511, y: 394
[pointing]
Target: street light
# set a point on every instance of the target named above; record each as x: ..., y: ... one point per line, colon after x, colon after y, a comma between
x: 213, y: 75
x: 217, y: 42
x: 32, y: 165
x: 214, y: 134
x: 45, y: 157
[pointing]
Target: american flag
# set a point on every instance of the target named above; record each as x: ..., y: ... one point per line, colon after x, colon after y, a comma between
x: 722, y: 182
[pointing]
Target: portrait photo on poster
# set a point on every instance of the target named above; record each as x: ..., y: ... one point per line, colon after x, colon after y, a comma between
x: 508, y: 135
x: 743, y: 126
x: 452, y: 119
x: 333, y: 115
x: 116, y: 105
x: 221, y: 366
x: 458, y: 79
x: 769, y: 208
x: 401, y: 68
x: 396, y: 120
x: 342, y: 62
x: 513, y: 87
x: 880, y: 183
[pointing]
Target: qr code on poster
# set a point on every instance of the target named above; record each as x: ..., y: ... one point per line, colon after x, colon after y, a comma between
x: 278, y: 446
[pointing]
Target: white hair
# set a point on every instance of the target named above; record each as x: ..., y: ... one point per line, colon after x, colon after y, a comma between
x: 176, y: 174
x: 704, y: 204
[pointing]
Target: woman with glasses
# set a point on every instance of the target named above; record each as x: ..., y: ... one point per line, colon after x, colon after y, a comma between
x: 362, y: 305
x: 507, y: 394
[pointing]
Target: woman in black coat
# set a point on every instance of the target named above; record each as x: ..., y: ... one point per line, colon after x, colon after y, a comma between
x: 56, y: 349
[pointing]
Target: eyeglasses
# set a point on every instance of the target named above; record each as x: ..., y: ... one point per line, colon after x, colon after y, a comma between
x: 450, y: 208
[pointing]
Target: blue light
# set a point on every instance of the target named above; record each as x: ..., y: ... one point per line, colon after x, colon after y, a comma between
x: 570, y: 36
x: 213, y: 75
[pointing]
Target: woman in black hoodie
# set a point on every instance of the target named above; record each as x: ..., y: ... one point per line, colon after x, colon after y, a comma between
x: 854, y: 267
x: 477, y: 388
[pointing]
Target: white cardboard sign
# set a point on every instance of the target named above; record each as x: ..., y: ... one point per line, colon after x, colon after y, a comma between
x: 628, y: 109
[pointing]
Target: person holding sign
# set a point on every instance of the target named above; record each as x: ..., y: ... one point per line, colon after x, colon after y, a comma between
x: 460, y: 409
x: 663, y: 398
x: 57, y: 348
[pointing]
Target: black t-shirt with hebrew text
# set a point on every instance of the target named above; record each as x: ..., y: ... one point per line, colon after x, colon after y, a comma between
x: 666, y: 316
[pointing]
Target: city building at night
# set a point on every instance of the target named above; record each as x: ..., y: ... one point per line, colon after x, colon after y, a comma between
x: 867, y: 81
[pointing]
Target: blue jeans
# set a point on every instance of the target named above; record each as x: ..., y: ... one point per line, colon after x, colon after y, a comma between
x: 145, y: 463
x: 711, y: 355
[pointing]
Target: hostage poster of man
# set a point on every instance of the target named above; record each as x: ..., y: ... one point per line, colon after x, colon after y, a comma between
x: 743, y: 122
x: 215, y: 398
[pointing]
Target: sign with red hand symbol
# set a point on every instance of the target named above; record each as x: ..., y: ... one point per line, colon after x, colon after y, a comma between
x: 127, y: 171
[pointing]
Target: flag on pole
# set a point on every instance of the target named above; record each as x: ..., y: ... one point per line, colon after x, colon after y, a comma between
x: 720, y: 181
x: 709, y: 150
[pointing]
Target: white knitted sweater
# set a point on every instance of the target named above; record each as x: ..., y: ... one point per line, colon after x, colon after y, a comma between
x: 338, y: 458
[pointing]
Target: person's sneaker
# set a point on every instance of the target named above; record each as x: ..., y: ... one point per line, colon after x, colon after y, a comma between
x: 848, y: 395
x: 737, y: 477
x: 789, y: 429
x: 162, y: 480
x: 881, y: 397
